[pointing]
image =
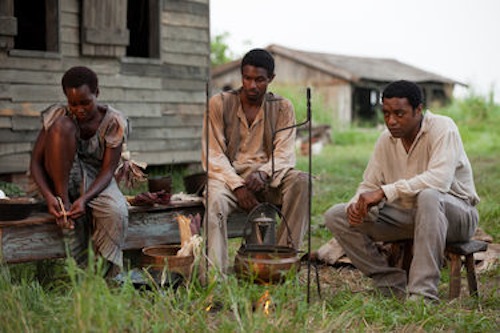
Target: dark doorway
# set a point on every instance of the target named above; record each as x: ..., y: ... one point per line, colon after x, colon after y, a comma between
x: 364, y: 105
x: 143, y: 26
x: 37, y: 25
x: 31, y: 30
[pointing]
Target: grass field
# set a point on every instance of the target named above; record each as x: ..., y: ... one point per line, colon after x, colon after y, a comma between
x: 58, y: 296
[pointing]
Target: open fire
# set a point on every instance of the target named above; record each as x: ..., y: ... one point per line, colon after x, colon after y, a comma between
x: 264, y: 304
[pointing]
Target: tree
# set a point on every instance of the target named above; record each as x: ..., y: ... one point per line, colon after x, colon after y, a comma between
x: 220, y: 52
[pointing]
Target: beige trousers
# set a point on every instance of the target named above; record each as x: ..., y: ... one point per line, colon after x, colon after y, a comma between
x: 292, y: 195
x: 438, y: 218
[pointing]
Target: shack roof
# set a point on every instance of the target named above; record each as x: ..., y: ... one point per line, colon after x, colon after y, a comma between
x: 351, y: 68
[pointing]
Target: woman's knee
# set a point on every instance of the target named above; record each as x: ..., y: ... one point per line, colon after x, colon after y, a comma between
x: 62, y: 127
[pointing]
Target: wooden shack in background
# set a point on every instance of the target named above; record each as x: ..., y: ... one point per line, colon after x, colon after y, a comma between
x: 350, y: 86
x: 152, y: 58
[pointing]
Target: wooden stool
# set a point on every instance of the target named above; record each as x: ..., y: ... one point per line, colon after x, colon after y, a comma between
x: 455, y: 251
x: 401, y: 254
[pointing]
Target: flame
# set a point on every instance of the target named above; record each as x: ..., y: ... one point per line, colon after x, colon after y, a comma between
x: 210, y: 304
x: 265, y: 302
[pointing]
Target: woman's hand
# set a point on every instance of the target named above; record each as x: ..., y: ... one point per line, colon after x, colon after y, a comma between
x: 77, y: 209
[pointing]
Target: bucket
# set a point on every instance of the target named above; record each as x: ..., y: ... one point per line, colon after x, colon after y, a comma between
x: 195, y: 183
x: 162, y: 183
x: 158, y: 257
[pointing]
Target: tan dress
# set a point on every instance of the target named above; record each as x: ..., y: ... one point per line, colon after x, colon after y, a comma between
x: 108, y: 210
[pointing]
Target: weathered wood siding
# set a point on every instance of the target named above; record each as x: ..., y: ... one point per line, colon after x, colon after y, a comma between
x: 164, y: 98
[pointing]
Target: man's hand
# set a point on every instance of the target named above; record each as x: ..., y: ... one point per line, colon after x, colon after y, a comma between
x: 353, y: 215
x: 256, y: 181
x: 246, y: 199
x: 356, y: 212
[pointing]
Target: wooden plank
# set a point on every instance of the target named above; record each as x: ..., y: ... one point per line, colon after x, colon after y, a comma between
x: 70, y: 35
x: 162, y: 145
x: 71, y: 50
x: 8, y: 136
x: 136, y: 109
x: 124, y: 81
x: 70, y: 6
x: 185, y: 34
x: 21, y: 123
x: 38, y: 237
x: 5, y: 92
x: 70, y: 20
x: 166, y: 157
x: 26, y: 63
x: 15, y: 148
x: 151, y: 96
x: 29, y: 76
x: 185, y: 20
x: 166, y: 133
x: 166, y: 71
x: 156, y: 227
x: 185, y: 108
x: 8, y: 108
x: 183, y: 84
x: 182, y: 6
x: 170, y: 120
x: 185, y: 59
x: 5, y: 122
x: 36, y: 93
x: 37, y: 242
x: 186, y: 47
x: 14, y: 163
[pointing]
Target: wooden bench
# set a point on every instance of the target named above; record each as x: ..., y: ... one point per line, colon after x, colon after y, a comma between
x: 38, y: 237
x: 402, y: 254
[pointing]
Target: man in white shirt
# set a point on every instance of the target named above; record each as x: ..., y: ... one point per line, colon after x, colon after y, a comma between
x: 417, y: 185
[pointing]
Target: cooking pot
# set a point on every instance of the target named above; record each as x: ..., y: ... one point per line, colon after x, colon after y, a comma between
x: 265, y: 264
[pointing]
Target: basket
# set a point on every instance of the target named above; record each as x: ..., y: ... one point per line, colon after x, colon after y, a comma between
x: 158, y: 257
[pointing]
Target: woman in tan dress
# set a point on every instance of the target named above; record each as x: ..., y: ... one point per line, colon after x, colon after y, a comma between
x: 74, y: 160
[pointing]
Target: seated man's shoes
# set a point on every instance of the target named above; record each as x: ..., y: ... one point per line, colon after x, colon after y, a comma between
x: 421, y: 300
x: 313, y: 257
x: 392, y: 292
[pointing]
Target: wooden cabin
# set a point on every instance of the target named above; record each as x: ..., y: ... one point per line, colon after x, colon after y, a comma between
x: 152, y: 58
x: 350, y: 86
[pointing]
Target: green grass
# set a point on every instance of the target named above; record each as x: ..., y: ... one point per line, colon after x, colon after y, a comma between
x: 58, y: 296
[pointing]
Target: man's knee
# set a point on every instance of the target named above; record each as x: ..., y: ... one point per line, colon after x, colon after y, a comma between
x: 299, y: 180
x: 335, y: 217
x: 428, y: 198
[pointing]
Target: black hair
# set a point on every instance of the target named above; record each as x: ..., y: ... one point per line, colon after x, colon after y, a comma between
x: 404, y: 89
x: 78, y: 76
x: 259, y: 58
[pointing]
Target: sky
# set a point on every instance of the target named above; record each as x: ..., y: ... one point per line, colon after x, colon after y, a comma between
x: 458, y: 39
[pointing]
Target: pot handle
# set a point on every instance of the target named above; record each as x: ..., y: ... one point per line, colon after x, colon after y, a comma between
x: 247, y: 230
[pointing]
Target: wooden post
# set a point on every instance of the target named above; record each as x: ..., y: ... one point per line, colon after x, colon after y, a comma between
x: 471, y: 274
x: 455, y: 266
